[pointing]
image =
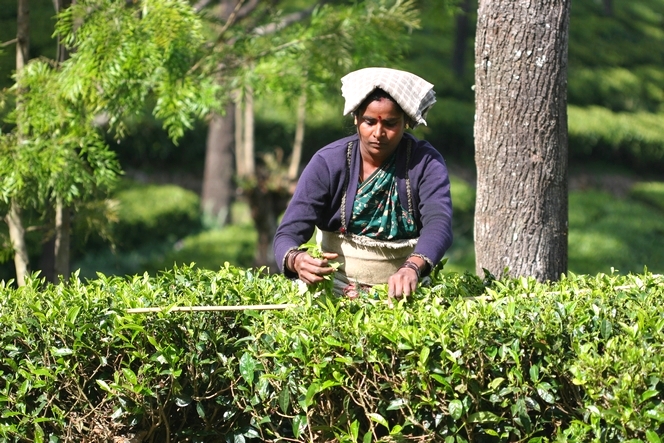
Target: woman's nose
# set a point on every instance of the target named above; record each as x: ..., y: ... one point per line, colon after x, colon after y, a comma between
x: 378, y: 130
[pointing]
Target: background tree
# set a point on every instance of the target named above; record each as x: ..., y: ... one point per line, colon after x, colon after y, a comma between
x: 13, y: 216
x: 521, y: 137
x: 126, y: 55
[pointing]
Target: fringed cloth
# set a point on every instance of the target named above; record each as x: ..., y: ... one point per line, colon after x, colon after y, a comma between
x: 414, y: 94
x: 364, y: 262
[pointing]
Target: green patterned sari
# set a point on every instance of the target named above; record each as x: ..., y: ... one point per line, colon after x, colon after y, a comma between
x: 377, y: 211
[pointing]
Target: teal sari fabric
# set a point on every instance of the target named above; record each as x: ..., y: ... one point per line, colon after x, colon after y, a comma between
x: 377, y: 211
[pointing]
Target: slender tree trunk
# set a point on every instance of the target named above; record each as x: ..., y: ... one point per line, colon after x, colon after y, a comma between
x: 22, y: 34
x: 17, y: 238
x: 296, y: 157
x: 521, y: 137
x: 461, y: 36
x: 217, y: 195
x: 608, y: 7
x: 62, y: 239
x: 13, y: 217
x: 62, y: 228
x: 239, y: 136
x: 249, y: 160
x: 218, y: 189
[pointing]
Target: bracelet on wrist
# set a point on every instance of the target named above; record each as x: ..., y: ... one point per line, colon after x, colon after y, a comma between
x: 411, y: 265
x: 292, y: 255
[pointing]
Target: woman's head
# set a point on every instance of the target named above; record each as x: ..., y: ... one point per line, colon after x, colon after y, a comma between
x: 379, y: 95
x: 380, y: 123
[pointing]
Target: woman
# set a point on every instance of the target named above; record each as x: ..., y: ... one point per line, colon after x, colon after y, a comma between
x: 380, y: 198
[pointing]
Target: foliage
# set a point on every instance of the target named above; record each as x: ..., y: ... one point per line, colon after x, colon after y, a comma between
x: 312, y: 55
x: 462, y: 360
x: 122, y: 55
x: 129, y: 53
x: 151, y: 213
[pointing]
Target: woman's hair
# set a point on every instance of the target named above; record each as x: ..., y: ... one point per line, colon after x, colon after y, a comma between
x: 377, y: 95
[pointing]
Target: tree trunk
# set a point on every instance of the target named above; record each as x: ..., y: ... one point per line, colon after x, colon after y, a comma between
x: 217, y: 194
x: 248, y: 155
x: 17, y: 238
x: 62, y: 240
x: 296, y: 157
x: 22, y: 34
x: 62, y: 243
x: 239, y: 136
x: 521, y: 137
x: 13, y: 217
x: 461, y: 35
x: 608, y: 7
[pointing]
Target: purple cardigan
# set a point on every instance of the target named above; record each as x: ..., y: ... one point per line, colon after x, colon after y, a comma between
x: 317, y: 198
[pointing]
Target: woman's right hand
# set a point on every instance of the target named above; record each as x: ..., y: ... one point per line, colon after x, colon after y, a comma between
x: 313, y: 270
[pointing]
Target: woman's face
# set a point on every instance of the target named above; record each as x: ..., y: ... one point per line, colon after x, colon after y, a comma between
x: 381, y: 126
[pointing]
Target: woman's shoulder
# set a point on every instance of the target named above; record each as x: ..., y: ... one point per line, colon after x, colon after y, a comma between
x: 422, y: 148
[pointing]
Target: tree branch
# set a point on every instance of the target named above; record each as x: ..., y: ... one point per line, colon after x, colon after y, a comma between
x: 8, y: 42
x: 288, y: 20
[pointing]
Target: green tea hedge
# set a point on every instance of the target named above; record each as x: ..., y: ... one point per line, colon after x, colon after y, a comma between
x: 465, y: 359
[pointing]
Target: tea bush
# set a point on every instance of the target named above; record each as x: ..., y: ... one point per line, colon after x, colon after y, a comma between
x: 636, y: 138
x: 464, y: 360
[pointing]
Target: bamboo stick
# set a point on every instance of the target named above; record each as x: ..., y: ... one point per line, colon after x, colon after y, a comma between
x: 209, y: 308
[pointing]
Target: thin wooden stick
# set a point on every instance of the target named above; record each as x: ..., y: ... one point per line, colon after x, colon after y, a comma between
x: 209, y: 308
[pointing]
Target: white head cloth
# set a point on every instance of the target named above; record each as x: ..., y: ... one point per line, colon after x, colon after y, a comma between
x: 414, y: 94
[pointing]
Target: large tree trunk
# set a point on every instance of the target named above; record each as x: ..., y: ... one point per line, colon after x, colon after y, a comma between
x: 521, y: 137
x: 13, y: 217
x: 217, y: 194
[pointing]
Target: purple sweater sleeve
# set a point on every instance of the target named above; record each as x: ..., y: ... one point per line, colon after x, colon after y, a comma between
x: 431, y: 195
x: 316, y: 201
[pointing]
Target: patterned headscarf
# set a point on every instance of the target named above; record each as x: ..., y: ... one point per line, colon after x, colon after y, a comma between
x: 414, y: 94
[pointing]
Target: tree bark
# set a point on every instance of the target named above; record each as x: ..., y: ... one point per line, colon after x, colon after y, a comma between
x: 217, y: 194
x: 521, y: 137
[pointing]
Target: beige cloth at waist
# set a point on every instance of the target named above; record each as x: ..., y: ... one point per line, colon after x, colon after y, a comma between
x: 364, y: 260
